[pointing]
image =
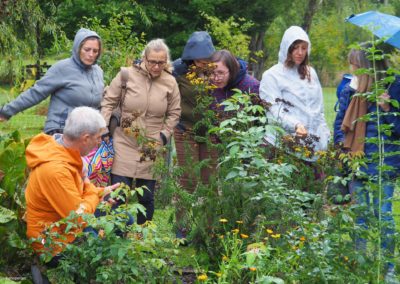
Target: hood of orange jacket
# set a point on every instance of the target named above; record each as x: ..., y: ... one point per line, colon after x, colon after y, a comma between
x: 44, y: 148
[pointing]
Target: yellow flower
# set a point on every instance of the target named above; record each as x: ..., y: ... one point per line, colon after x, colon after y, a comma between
x: 218, y: 274
x: 294, y: 248
x: 252, y: 269
x: 101, y: 233
x: 244, y: 236
x: 202, y: 277
x: 346, y: 258
x: 221, y: 236
x: 225, y: 258
x: 276, y: 236
x: 269, y: 231
x: 239, y: 222
x: 302, y: 238
x: 235, y: 231
x: 223, y: 220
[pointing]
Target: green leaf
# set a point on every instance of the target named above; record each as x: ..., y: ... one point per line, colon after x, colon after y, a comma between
x: 14, y: 240
x: 108, y: 227
x: 231, y: 175
x: 233, y: 151
x: 6, y: 215
x: 270, y: 279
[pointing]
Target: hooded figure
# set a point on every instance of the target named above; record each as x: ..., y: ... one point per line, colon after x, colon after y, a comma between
x: 70, y: 82
x: 295, y: 101
x: 199, y: 47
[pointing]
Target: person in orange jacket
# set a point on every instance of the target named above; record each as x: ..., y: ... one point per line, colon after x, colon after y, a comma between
x: 57, y: 184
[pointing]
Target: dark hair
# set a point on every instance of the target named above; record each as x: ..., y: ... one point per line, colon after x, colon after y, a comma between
x: 230, y: 61
x: 303, y: 69
x: 359, y: 58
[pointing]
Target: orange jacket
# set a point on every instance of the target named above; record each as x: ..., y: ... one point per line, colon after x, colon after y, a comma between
x: 55, y: 187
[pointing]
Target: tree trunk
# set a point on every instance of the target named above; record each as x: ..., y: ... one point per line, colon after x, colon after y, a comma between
x: 309, y: 14
x: 258, y: 54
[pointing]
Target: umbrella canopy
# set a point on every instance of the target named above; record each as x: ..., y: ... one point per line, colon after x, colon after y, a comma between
x: 382, y: 25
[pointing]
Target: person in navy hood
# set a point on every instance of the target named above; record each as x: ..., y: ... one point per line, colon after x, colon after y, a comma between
x: 72, y: 82
x: 196, y: 53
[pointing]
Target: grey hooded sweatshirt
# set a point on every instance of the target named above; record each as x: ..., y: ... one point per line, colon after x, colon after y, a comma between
x: 70, y: 83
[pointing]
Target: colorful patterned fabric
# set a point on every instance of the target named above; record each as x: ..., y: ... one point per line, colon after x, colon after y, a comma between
x: 99, y: 163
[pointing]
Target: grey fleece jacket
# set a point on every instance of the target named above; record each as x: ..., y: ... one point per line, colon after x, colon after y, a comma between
x: 69, y: 82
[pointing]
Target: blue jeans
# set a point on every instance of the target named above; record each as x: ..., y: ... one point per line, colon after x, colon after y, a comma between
x: 363, y: 197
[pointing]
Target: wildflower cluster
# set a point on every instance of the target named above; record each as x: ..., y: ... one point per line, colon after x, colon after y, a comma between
x: 134, y: 126
x: 200, y: 77
x: 304, y: 146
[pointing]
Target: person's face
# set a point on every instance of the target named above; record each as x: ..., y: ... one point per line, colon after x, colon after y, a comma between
x: 89, y: 142
x: 201, y: 63
x: 353, y: 67
x: 89, y: 51
x: 299, y: 52
x: 220, y: 75
x: 155, y: 62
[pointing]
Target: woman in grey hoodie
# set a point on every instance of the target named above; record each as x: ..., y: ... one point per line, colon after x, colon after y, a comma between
x: 72, y: 82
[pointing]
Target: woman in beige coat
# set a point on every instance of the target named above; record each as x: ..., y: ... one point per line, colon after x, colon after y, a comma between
x: 150, y: 112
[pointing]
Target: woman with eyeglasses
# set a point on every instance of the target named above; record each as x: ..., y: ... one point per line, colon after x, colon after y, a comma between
x: 150, y: 112
x: 294, y: 92
x: 229, y: 74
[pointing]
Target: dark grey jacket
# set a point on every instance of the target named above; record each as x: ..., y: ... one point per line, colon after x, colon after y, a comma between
x: 70, y: 84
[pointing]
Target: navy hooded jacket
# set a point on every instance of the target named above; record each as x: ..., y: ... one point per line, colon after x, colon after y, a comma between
x: 370, y: 149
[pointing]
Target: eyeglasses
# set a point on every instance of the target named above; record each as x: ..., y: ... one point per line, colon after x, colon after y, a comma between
x: 219, y: 74
x: 153, y: 63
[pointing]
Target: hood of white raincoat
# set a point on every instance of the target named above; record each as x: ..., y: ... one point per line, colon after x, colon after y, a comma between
x: 290, y: 36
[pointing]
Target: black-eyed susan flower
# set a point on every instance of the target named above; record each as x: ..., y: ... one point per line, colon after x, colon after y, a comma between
x: 202, y: 277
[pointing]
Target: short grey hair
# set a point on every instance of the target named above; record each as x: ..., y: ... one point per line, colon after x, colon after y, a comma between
x: 157, y: 44
x: 83, y: 120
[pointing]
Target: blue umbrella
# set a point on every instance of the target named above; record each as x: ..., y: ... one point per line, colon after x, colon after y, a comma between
x: 382, y: 25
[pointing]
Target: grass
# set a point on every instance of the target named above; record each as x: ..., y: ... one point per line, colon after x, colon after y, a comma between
x: 329, y: 103
x: 30, y: 122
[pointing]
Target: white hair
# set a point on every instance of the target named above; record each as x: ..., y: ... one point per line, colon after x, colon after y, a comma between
x: 83, y: 120
x: 157, y: 45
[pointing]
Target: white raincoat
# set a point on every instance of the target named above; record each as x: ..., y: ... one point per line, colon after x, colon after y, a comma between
x: 281, y: 82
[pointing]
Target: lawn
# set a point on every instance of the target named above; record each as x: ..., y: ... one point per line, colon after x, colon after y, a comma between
x: 329, y: 103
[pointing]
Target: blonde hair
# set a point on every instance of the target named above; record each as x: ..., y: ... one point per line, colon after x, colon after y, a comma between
x: 157, y: 45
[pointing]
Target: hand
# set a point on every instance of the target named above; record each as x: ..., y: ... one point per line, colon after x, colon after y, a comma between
x: 383, y: 102
x: 106, y: 138
x: 107, y: 191
x: 301, y: 131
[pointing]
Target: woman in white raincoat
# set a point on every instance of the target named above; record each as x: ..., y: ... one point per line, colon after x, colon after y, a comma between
x: 293, y: 89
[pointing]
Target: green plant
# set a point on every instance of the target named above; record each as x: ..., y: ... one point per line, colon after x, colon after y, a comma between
x: 111, y: 251
x: 120, y: 45
x: 12, y: 208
